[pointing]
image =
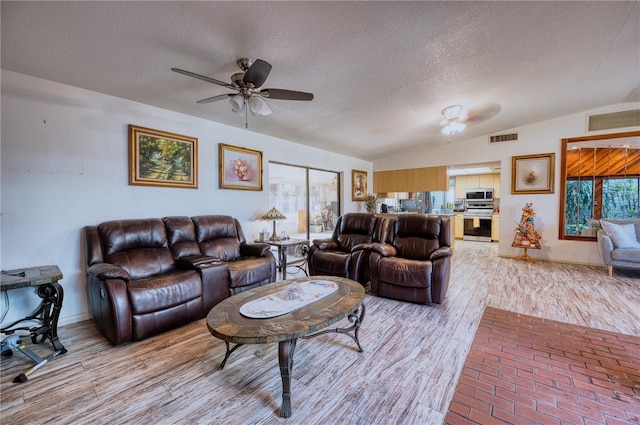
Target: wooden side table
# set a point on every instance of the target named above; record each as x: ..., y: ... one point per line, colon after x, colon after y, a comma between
x: 45, y: 278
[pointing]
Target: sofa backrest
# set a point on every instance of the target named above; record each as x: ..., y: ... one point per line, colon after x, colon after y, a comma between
x: 416, y: 236
x: 355, y: 228
x: 139, y: 246
x: 634, y: 221
x: 181, y: 235
x: 218, y: 236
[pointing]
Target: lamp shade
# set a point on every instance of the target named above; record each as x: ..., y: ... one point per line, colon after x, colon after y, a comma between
x: 258, y: 106
x: 237, y: 104
x: 273, y: 214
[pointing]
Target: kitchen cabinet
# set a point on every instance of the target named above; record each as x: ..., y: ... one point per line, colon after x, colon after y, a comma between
x: 473, y: 181
x: 485, y: 181
x: 478, y: 181
x: 459, y: 225
x: 496, y: 186
x: 460, y: 187
x: 495, y: 228
x: 427, y: 179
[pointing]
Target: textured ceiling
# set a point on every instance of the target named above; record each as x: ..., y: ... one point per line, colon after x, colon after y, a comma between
x: 380, y: 71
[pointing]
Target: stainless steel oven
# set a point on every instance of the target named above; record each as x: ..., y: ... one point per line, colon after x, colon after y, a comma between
x: 477, y: 221
x: 477, y: 229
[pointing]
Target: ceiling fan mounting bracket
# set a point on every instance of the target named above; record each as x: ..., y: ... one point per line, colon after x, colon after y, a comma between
x: 244, y: 63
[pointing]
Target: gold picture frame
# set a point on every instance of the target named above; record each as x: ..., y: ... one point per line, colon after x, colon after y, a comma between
x: 358, y: 185
x: 160, y: 158
x: 532, y: 174
x: 240, y: 168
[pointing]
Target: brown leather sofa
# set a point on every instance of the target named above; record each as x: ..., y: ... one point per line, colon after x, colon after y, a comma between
x: 145, y: 276
x: 345, y: 253
x: 414, y: 263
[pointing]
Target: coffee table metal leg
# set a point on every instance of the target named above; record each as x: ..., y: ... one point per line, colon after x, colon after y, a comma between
x: 228, y: 353
x: 285, y: 358
x: 355, y: 317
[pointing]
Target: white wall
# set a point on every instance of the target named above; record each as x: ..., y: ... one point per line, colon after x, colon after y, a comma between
x: 543, y: 137
x: 64, y: 154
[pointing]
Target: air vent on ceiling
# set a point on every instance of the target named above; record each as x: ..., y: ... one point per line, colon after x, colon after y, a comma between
x: 614, y: 120
x: 503, y: 138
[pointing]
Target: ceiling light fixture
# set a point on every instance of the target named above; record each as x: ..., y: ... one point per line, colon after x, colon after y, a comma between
x: 453, y: 120
x: 241, y: 103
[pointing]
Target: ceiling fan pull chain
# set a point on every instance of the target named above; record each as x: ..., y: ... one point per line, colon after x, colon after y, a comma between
x: 246, y: 108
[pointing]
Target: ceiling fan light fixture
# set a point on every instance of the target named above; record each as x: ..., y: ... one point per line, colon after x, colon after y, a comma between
x: 453, y: 117
x: 258, y: 106
x: 237, y: 104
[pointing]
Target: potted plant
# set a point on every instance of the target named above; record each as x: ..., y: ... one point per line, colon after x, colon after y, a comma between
x: 370, y: 202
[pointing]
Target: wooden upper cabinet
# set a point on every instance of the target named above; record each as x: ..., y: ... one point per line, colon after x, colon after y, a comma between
x: 425, y: 179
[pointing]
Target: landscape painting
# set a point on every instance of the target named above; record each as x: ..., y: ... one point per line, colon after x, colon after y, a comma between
x: 158, y: 158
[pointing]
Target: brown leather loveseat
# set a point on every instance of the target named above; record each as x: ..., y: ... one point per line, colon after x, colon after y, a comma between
x: 414, y: 263
x: 146, y: 276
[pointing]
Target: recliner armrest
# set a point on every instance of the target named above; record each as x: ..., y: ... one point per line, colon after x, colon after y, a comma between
x: 195, y: 261
x: 104, y: 271
x: 383, y: 249
x: 441, y: 252
x: 254, y: 249
x: 325, y: 244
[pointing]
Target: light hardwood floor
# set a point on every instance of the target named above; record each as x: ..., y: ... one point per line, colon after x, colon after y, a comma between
x: 406, y: 375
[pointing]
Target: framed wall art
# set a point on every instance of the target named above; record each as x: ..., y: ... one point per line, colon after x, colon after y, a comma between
x: 159, y: 158
x: 358, y: 185
x: 240, y: 168
x: 532, y: 174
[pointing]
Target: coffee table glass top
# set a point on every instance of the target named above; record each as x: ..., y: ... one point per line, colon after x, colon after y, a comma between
x: 227, y: 323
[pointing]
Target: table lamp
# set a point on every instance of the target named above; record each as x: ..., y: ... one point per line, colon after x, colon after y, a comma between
x: 273, y: 214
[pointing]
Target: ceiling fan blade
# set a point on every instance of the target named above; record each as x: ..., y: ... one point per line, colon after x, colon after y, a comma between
x: 203, y: 78
x: 257, y: 73
x: 286, y: 94
x: 216, y: 98
x: 482, y: 113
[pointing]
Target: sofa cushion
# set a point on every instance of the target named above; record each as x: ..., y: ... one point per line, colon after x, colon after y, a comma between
x: 218, y: 236
x: 622, y: 235
x: 163, y: 292
x: 630, y: 255
x: 333, y: 263
x: 405, y: 272
x: 249, y: 271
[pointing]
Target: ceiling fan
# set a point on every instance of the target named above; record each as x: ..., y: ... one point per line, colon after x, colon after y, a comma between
x: 249, y: 94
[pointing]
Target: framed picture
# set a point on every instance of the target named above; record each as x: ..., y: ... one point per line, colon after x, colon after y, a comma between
x: 158, y: 158
x: 358, y: 185
x: 240, y: 168
x: 532, y: 174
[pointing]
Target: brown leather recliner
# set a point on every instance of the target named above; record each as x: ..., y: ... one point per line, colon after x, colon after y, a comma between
x: 146, y: 276
x: 135, y: 289
x: 344, y: 254
x: 414, y: 264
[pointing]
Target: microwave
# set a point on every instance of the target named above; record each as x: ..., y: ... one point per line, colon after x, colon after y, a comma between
x: 479, y: 195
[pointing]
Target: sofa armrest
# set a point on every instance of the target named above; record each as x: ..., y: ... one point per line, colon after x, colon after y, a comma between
x: 254, y: 249
x: 104, y: 271
x: 441, y: 252
x: 195, y: 261
x: 605, y: 245
x: 325, y: 244
x: 383, y: 249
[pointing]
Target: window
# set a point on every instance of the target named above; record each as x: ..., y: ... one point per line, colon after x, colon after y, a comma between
x: 289, y: 187
x: 600, y: 179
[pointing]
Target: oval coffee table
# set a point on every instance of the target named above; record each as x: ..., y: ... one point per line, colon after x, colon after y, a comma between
x: 225, y: 322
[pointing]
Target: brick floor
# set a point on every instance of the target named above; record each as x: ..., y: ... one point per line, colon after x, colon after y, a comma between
x: 527, y: 370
